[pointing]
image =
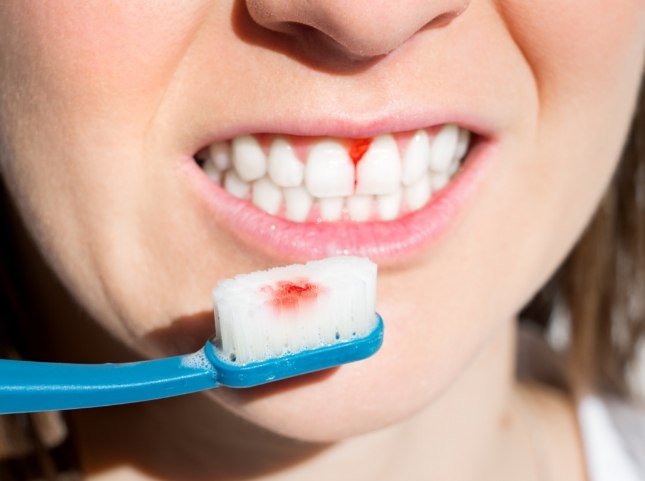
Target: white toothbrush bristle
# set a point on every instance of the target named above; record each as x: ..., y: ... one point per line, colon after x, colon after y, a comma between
x: 285, y: 310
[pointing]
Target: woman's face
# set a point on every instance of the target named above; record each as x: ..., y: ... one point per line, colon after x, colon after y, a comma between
x: 106, y: 107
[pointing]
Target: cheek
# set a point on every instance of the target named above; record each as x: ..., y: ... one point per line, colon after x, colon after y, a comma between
x: 577, y: 47
x: 587, y: 62
x: 98, y: 64
x: 86, y: 79
x: 97, y: 46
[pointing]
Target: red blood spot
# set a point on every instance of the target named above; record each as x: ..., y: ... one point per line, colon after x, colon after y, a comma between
x: 358, y: 148
x: 290, y: 294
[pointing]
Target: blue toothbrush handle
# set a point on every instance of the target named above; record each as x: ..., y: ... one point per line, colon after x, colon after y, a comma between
x: 27, y: 386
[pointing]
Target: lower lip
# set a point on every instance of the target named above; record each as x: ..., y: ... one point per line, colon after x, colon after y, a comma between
x: 381, y: 241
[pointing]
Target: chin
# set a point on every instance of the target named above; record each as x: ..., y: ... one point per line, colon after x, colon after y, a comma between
x: 351, y: 400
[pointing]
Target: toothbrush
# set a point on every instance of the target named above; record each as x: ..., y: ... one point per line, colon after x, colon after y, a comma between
x: 270, y: 325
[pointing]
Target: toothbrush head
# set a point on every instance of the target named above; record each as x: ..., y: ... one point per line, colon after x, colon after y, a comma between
x: 293, y: 320
x: 255, y: 373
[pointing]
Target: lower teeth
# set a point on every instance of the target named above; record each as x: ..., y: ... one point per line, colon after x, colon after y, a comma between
x: 298, y: 205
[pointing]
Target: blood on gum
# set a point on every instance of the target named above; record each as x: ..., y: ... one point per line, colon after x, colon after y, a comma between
x: 357, y: 149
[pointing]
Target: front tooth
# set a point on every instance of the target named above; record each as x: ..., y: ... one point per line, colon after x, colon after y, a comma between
x: 462, y: 144
x: 418, y: 194
x: 298, y: 202
x: 284, y: 167
x: 416, y: 158
x: 329, y: 171
x: 266, y: 195
x: 359, y: 207
x: 389, y: 205
x: 379, y: 171
x: 248, y: 158
x: 444, y: 147
x: 236, y: 186
x: 331, y: 208
x: 220, y: 155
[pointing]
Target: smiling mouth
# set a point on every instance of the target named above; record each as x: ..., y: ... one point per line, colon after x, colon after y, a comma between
x: 329, y: 180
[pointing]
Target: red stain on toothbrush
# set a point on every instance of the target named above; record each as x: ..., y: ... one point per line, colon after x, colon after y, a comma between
x: 290, y: 294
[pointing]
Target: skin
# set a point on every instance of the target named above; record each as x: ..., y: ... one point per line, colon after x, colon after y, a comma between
x: 102, y: 103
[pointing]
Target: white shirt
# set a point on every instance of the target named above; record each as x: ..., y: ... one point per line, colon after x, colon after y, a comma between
x: 613, y: 431
x: 614, y: 439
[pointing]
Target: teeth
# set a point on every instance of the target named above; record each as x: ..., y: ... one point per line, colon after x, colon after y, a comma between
x: 248, y: 158
x: 329, y: 171
x: 418, y: 194
x: 267, y: 196
x: 462, y: 145
x: 359, y: 207
x: 389, y: 205
x: 331, y: 208
x: 212, y: 171
x: 454, y: 166
x: 381, y: 186
x: 438, y: 180
x: 284, y: 167
x: 298, y: 202
x: 220, y: 155
x: 416, y: 158
x: 236, y: 186
x: 379, y: 171
x: 444, y: 147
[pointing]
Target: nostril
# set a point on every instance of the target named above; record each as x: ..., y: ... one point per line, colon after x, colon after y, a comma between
x: 444, y: 19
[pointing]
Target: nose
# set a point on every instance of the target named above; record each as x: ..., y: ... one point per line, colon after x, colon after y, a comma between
x: 359, y: 29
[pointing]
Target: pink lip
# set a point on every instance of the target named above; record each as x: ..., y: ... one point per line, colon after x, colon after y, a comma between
x: 381, y: 241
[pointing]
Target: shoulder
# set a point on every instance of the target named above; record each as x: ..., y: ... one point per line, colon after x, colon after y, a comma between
x: 613, y: 433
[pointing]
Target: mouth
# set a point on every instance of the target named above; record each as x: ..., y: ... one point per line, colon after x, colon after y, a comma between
x: 298, y: 197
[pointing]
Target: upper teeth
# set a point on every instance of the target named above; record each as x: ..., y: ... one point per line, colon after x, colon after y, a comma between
x: 389, y: 179
x: 416, y: 158
x: 248, y: 158
x: 329, y: 171
x: 379, y: 171
x: 285, y: 169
